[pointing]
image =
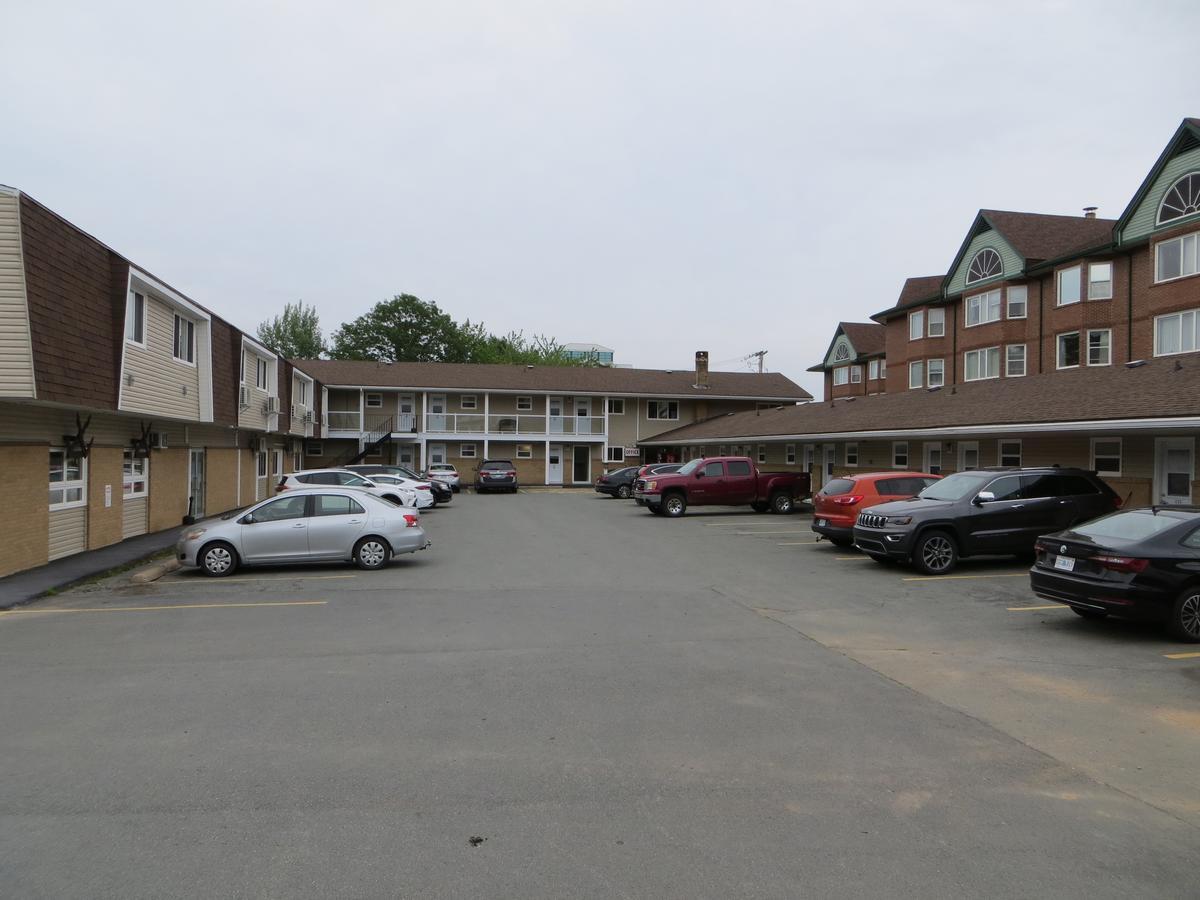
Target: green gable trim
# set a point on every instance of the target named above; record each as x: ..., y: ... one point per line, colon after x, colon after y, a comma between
x: 1141, y: 222
x: 1012, y: 262
x: 831, y: 359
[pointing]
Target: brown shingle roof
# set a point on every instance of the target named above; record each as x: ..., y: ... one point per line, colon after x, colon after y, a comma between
x: 1154, y: 390
x: 1039, y: 237
x: 868, y: 338
x: 564, y: 379
x: 916, y: 291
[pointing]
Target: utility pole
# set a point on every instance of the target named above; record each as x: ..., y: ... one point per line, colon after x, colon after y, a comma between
x: 760, y: 354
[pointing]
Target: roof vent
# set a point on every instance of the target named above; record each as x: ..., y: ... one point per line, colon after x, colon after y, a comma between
x: 1135, y: 364
x: 1089, y: 212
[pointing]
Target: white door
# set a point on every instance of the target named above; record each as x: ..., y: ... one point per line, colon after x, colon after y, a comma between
x: 830, y: 461
x: 556, y: 415
x: 406, y: 422
x: 197, y: 483
x: 810, y: 459
x: 437, y: 454
x: 1174, y: 468
x: 437, y: 412
x: 933, y: 458
x: 554, y: 465
x: 968, y: 455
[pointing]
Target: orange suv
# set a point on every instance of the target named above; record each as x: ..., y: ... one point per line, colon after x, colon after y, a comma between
x: 836, y: 505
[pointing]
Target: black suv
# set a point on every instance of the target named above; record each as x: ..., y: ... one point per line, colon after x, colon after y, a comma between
x: 983, y: 511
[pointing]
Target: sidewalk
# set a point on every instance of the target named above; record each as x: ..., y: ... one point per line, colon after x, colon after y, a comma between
x: 22, y: 587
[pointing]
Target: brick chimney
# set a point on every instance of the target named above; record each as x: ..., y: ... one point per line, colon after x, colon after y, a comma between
x: 702, y: 368
x: 1089, y: 212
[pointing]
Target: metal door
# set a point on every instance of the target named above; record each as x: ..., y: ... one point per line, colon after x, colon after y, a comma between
x: 554, y: 467
x: 933, y: 458
x: 1174, y: 469
x: 581, y: 464
x: 556, y: 415
x: 197, y: 482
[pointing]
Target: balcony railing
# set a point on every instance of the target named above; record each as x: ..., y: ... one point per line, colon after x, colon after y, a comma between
x: 352, y: 420
x: 577, y: 425
x: 454, y: 423
x: 468, y: 423
x: 344, y: 420
x: 515, y: 423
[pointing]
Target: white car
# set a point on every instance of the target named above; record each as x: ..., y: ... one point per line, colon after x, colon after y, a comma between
x: 445, y: 473
x: 343, y: 478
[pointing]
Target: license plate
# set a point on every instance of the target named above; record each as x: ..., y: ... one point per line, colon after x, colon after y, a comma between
x: 820, y: 523
x: 1066, y: 563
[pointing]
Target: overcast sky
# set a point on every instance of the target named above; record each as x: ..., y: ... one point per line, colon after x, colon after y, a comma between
x: 656, y: 177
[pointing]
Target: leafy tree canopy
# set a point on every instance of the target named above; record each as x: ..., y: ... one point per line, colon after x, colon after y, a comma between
x: 295, y: 334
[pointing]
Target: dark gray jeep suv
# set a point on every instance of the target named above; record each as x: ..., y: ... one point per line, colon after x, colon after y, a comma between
x: 983, y: 511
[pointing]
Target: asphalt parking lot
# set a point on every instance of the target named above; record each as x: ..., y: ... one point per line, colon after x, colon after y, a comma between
x: 568, y: 697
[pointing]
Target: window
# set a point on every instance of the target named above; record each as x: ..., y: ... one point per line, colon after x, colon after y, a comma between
x: 841, y: 375
x: 981, y: 364
x: 1007, y: 487
x: 134, y: 475
x: 1014, y: 360
x: 722, y: 450
x: 1175, y: 333
x: 983, y: 308
x: 916, y: 325
x: 714, y: 470
x: 1177, y: 258
x: 1010, y: 453
x: 614, y: 454
x: 916, y: 374
x: 261, y: 464
x: 790, y: 454
x: 616, y: 406
x: 68, y: 480
x: 336, y: 505
x: 185, y: 339
x: 1100, y: 281
x: 469, y: 401
x: 1106, y: 456
x: 1068, y: 285
x: 261, y: 371
x: 1068, y: 350
x: 302, y: 392
x: 842, y: 352
x: 937, y: 322
x: 738, y: 467
x: 883, y: 368
x: 282, y: 509
x: 1099, y: 347
x: 985, y: 264
x: 524, y: 404
x: 524, y: 451
x: 662, y: 409
x: 856, y: 374
x: 277, y: 462
x: 314, y: 448
x: 374, y: 401
x: 968, y: 455
x: 936, y: 372
x: 1018, y: 301
x: 873, y: 370
x: 762, y: 453
x: 852, y: 454
x: 1182, y: 199
x: 466, y: 451
x: 135, y: 319
x: 900, y: 454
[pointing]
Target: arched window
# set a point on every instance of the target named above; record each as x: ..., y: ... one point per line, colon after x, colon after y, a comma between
x: 842, y: 352
x: 1181, y: 199
x: 985, y: 264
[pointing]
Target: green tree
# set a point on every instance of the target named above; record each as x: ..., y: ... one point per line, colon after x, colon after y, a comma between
x: 403, y: 329
x: 295, y: 334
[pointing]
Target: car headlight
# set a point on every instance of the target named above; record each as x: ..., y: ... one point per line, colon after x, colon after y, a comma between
x: 194, y: 534
x: 650, y: 485
x: 899, y: 520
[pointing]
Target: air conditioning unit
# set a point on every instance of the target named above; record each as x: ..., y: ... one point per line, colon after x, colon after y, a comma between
x: 158, y: 440
x: 260, y: 445
x: 243, y: 396
x: 272, y: 405
x: 293, y: 411
x: 308, y: 417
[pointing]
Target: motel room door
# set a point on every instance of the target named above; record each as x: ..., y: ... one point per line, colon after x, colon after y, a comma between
x: 581, y: 464
x: 554, y: 465
x: 1174, y: 469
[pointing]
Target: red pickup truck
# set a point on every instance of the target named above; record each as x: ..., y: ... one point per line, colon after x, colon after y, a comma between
x: 721, y: 481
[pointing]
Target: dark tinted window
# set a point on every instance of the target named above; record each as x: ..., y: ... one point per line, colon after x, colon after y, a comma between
x: 320, y: 478
x: 333, y: 505
x: 1006, y: 488
x: 284, y: 508
x: 1192, y: 540
x: 900, y: 487
x: 739, y: 467
x: 1135, y: 525
x: 498, y: 465
x: 1077, y: 486
x: 714, y: 469
x: 838, y: 486
x: 1034, y: 487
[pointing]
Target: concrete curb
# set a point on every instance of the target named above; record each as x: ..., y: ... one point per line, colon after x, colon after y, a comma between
x: 154, y: 572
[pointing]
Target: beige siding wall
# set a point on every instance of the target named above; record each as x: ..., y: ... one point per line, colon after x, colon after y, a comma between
x: 134, y: 514
x: 16, y: 349
x: 161, y: 385
x: 68, y: 532
x: 296, y: 422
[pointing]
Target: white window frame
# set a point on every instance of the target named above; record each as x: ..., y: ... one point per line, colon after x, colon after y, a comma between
x: 134, y: 306
x: 1058, y: 363
x: 66, y: 485
x: 916, y: 325
x: 183, y: 326
x: 790, y: 451
x: 262, y: 373
x: 375, y: 396
x: 1023, y: 291
x: 762, y: 453
x: 524, y: 451
x: 466, y: 451
x: 941, y: 372
x: 1107, y: 347
x: 963, y: 447
x: 1059, y: 277
x: 873, y: 370
x: 983, y: 354
x: 525, y: 404
x: 655, y: 407
x: 616, y: 406
x: 883, y: 368
x: 1008, y: 372
x: 856, y: 374
x: 1000, y: 454
x: 314, y: 448
x: 610, y: 456
x: 899, y: 447
x: 1195, y: 317
x: 937, y: 316
x: 1182, y: 240
x: 982, y: 303
x: 472, y: 405
x: 841, y: 376
x: 276, y: 461
x: 1120, y: 455
x: 135, y: 476
x: 1092, y: 293
x: 851, y: 451
x: 916, y: 374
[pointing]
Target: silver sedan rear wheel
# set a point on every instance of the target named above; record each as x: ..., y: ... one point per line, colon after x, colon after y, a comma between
x: 372, y: 553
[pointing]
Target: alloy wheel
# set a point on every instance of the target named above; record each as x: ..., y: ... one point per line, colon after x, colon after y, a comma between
x: 937, y: 553
x: 1189, y: 615
x: 673, y: 506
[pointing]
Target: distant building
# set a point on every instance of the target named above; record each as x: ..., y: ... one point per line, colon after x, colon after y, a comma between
x: 601, y: 356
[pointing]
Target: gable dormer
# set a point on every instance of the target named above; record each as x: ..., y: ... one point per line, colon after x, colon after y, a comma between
x: 1169, y: 198
x: 985, y: 257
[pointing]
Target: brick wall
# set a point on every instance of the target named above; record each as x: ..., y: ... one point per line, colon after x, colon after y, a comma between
x: 168, y: 487
x: 24, y: 486
x: 104, y: 522
x: 221, y: 489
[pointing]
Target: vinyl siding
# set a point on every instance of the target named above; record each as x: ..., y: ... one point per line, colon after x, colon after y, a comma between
x: 16, y: 348
x: 133, y: 517
x: 1013, y: 264
x: 254, y: 415
x: 1141, y: 223
x: 159, y: 380
x: 68, y: 531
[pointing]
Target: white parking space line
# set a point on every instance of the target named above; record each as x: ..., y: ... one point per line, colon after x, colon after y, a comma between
x: 217, y: 582
x: 965, y: 577
x: 747, y: 533
x: 1035, y: 608
x: 796, y: 543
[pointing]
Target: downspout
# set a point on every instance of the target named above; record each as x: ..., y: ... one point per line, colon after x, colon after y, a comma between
x: 1129, y: 307
x: 1041, y: 320
x: 954, y: 348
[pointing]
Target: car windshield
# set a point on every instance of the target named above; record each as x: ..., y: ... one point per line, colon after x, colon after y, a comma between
x: 689, y: 468
x: 494, y: 466
x: 957, y: 486
x: 1133, y: 525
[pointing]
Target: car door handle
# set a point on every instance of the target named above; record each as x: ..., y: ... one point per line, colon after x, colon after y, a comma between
x: 354, y: 522
x: 300, y: 525
x: 1017, y: 506
x: 1064, y: 502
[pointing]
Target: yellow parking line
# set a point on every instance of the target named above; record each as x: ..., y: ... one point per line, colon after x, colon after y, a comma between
x: 956, y: 577
x: 795, y: 544
x: 206, y: 582
x: 1182, y: 655
x: 853, y: 558
x: 1031, y: 608
x: 12, y: 612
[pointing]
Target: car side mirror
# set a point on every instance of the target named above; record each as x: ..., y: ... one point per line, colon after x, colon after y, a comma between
x: 699, y: 473
x: 984, y: 497
x: 247, y: 519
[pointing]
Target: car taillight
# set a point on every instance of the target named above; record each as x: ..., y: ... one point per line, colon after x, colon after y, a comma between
x: 848, y: 501
x: 280, y: 487
x: 1121, y: 563
x: 1118, y: 502
x: 410, y: 521
x: 424, y: 487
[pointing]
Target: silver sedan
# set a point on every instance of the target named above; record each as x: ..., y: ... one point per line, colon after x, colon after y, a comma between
x: 303, y: 526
